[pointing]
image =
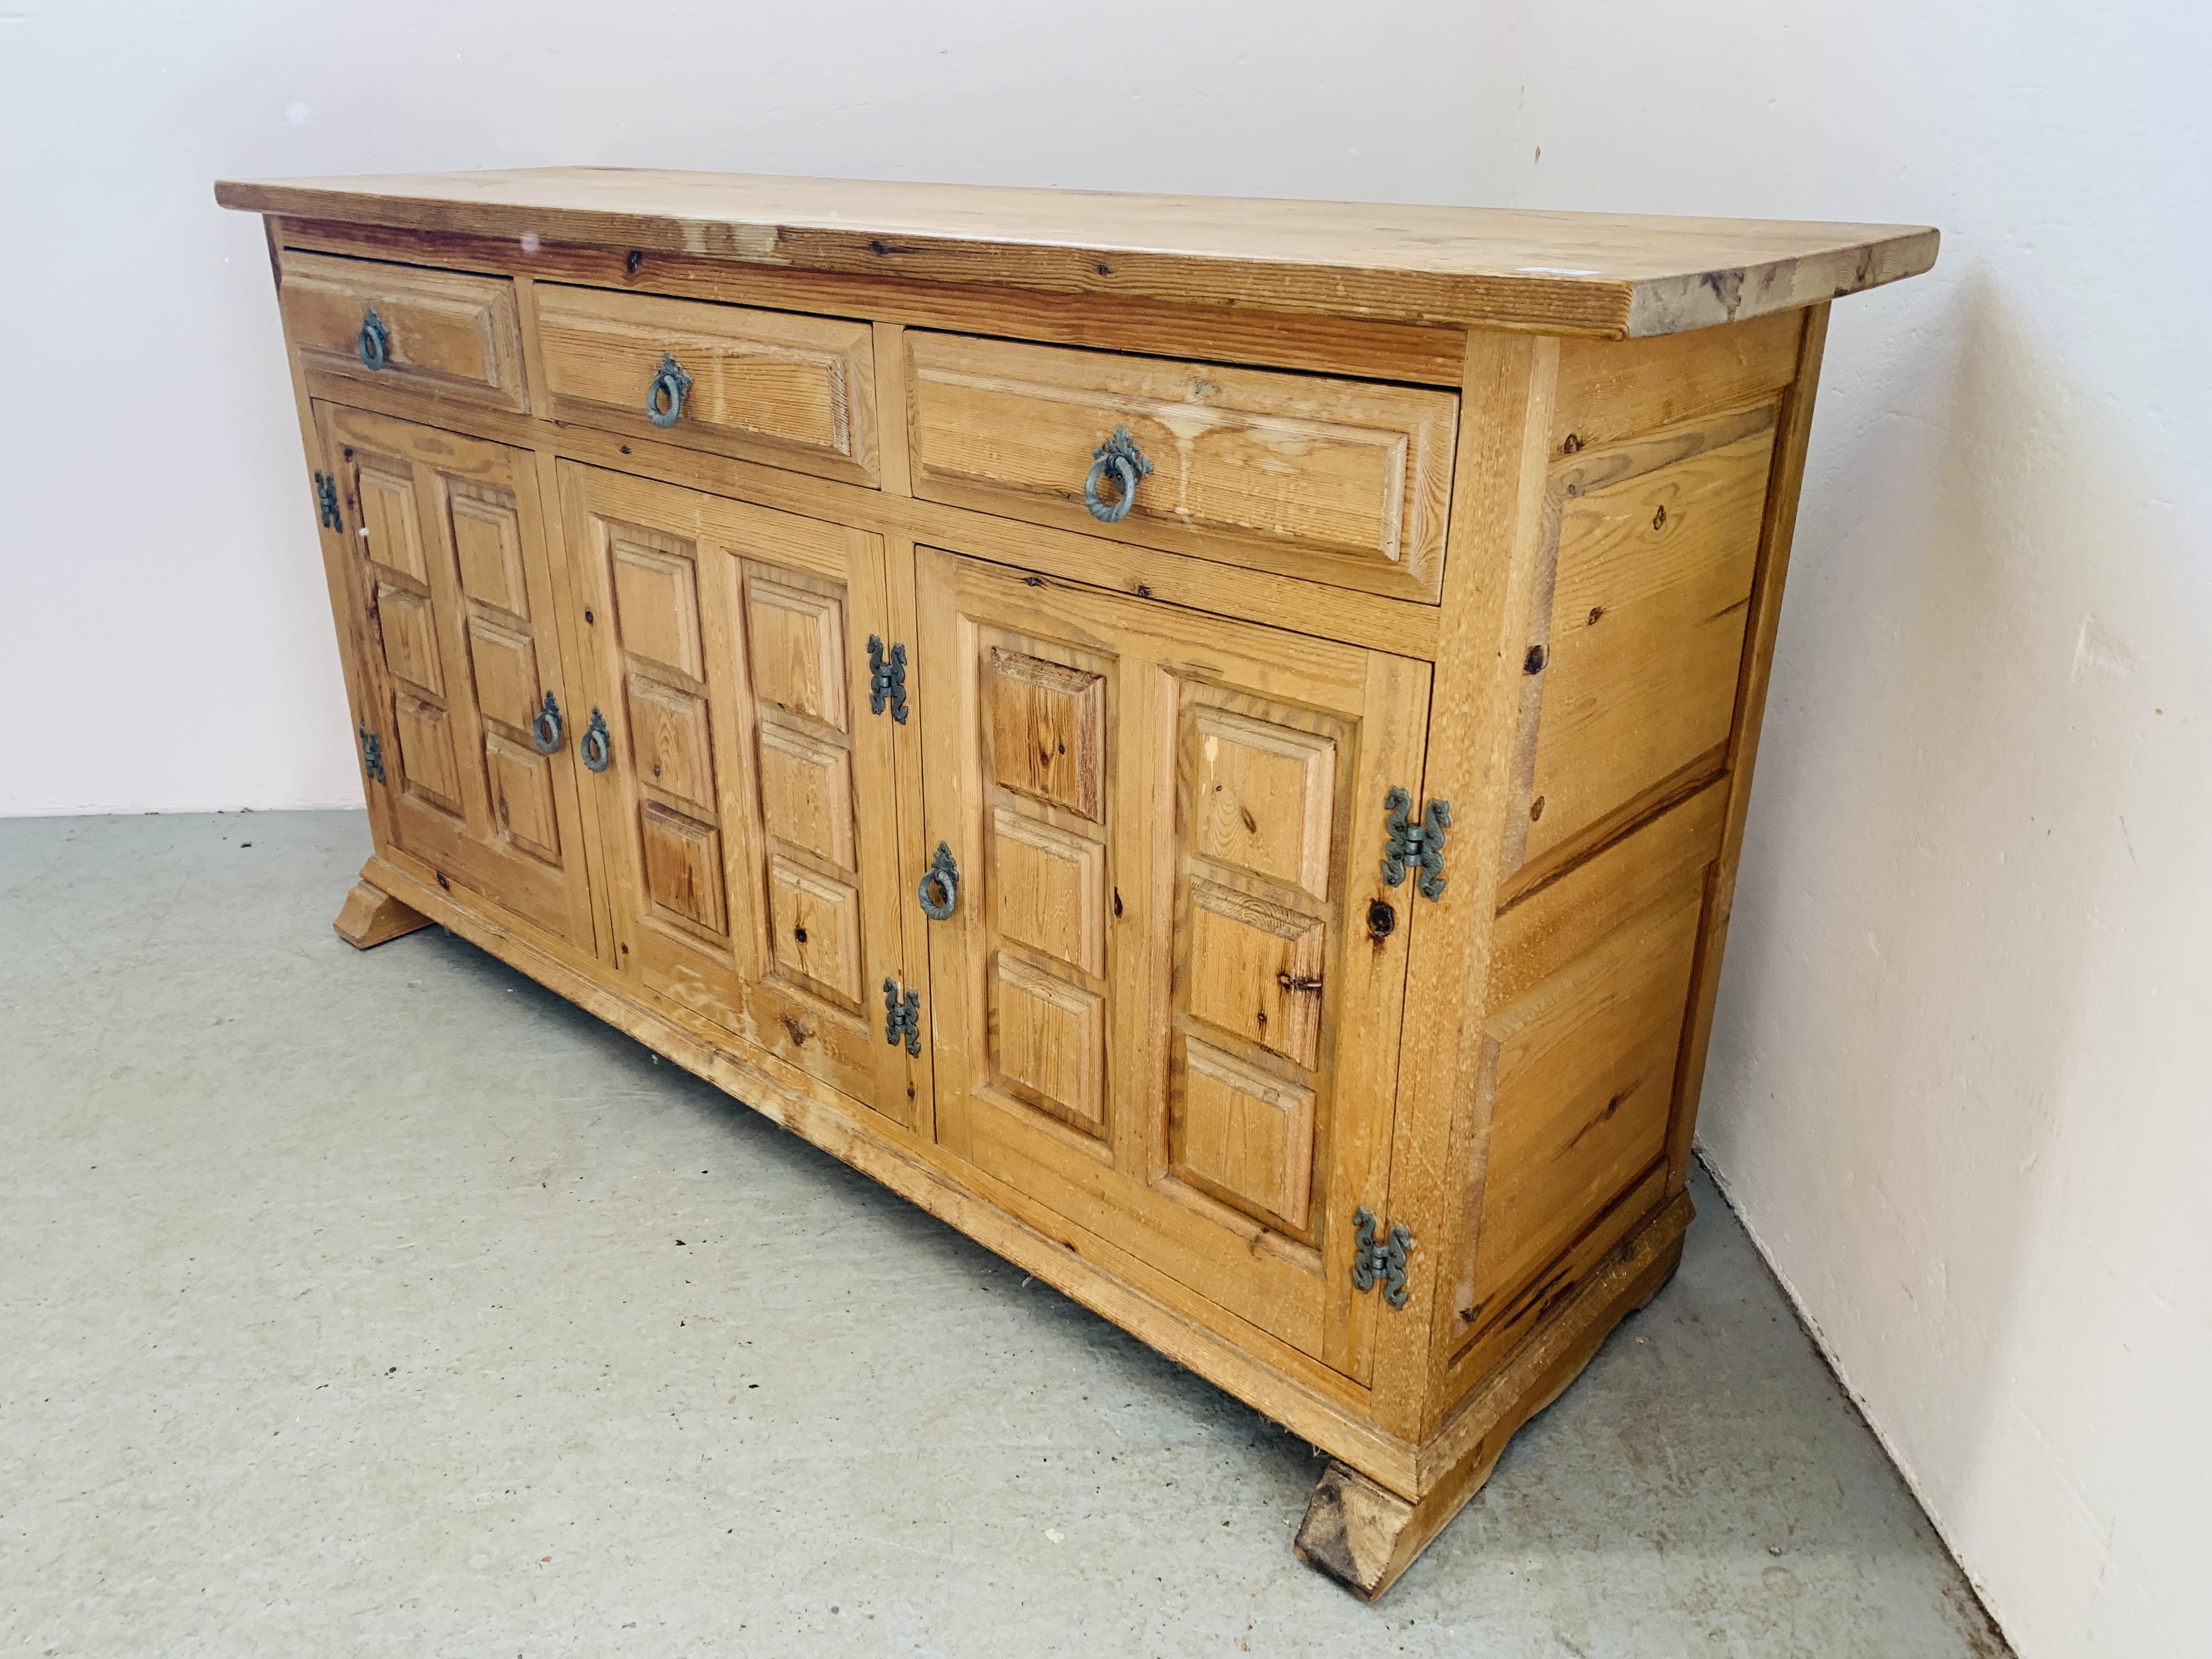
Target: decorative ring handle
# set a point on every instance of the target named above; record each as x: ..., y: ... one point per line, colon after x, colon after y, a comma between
x: 944, y: 875
x: 664, y: 398
x: 1120, y: 452
x: 545, y: 730
x: 595, y: 748
x: 375, y: 342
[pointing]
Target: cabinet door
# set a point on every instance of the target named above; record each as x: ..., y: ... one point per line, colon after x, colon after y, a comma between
x: 748, y: 804
x: 451, y: 568
x: 1162, y: 1008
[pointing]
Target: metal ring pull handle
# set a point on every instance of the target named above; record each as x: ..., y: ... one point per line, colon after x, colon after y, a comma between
x: 545, y: 730
x: 943, y: 875
x: 1120, y: 452
x: 664, y: 398
x: 376, y: 341
x: 594, y: 747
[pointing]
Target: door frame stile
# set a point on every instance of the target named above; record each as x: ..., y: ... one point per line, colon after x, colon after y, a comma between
x: 576, y: 673
x: 1490, y: 580
x: 909, y: 808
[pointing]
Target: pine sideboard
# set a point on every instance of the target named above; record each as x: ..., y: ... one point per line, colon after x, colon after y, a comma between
x: 1203, y: 742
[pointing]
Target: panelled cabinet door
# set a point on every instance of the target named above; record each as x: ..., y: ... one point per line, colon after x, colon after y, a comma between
x: 747, y: 803
x: 1164, y: 1006
x: 450, y: 565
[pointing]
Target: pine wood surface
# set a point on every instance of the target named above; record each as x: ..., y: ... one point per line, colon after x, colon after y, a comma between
x: 1620, y: 276
x: 1179, y: 1028
x: 370, y: 916
x: 1342, y: 482
x: 792, y: 391
x: 446, y: 332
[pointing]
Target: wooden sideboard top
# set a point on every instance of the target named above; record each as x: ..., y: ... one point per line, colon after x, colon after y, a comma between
x: 1612, y: 274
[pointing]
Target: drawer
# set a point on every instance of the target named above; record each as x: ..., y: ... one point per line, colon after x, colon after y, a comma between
x: 1344, y: 482
x: 765, y: 385
x: 440, y: 330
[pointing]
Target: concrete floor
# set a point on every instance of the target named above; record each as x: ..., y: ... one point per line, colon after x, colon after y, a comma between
x: 384, y: 1303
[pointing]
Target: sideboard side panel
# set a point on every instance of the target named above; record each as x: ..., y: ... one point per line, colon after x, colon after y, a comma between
x: 1784, y: 480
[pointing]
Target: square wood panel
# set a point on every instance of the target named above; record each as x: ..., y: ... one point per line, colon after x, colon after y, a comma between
x: 806, y: 792
x: 1047, y: 732
x: 1049, y: 890
x: 1263, y: 797
x: 669, y: 743
x: 1245, y: 1136
x: 488, y: 543
x: 683, y: 867
x: 657, y: 607
x: 796, y: 638
x: 817, y: 925
x: 1048, y: 1041
x: 1256, y: 970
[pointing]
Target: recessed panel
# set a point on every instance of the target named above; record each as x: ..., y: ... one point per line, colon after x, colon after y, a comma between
x: 1260, y: 797
x: 1245, y: 1136
x: 1255, y: 971
x: 796, y: 639
x: 488, y: 541
x: 1050, y: 888
x: 1645, y: 647
x: 668, y: 741
x: 388, y: 522
x: 657, y: 607
x: 1583, y: 1066
x: 430, y: 770
x: 506, y: 665
x: 1048, y: 1043
x: 522, y: 797
x: 410, y: 638
x: 683, y: 866
x: 817, y: 924
x: 807, y: 792
x: 1048, y: 731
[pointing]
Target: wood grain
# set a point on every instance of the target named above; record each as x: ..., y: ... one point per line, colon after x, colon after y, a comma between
x: 1605, y: 274
x: 1793, y: 430
x: 370, y: 916
x: 1637, y: 639
x: 1610, y: 389
x: 1178, y: 1029
x: 1338, y: 481
x: 793, y: 390
x: 1401, y: 627
x: 1324, y: 345
x: 454, y: 334
x: 1363, y: 1532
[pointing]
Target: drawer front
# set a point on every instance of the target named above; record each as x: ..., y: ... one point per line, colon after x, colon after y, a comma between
x: 436, y: 329
x: 766, y: 386
x: 1344, y: 482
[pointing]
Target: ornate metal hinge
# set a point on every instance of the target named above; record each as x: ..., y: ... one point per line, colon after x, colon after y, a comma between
x: 1416, y: 845
x: 1385, y: 1262
x: 886, y: 679
x: 326, y: 500
x: 902, y: 1019
x: 372, y: 755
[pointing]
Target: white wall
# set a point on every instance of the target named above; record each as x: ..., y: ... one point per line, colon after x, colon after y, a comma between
x: 1959, y: 1075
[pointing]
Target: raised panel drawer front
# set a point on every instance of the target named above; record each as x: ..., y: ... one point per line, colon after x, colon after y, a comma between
x: 434, y: 331
x: 764, y: 386
x: 1346, y: 482
x: 1162, y: 1009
